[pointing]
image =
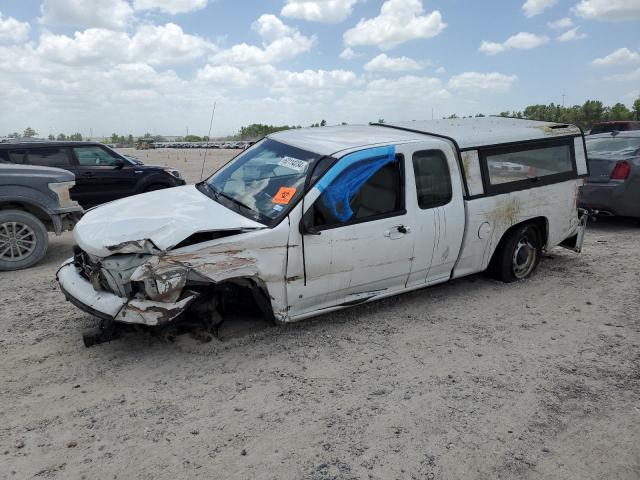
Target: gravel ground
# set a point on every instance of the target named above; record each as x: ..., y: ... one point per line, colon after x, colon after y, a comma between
x: 471, y: 379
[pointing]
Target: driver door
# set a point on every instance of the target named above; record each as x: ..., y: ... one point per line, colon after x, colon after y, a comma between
x: 101, y: 176
x: 358, y: 250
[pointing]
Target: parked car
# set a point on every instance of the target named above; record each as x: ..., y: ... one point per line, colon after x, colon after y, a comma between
x: 33, y: 201
x: 613, y: 185
x: 615, y: 126
x: 308, y: 221
x: 102, y: 174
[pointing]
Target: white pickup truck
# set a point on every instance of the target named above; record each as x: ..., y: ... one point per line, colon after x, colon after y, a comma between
x: 312, y: 220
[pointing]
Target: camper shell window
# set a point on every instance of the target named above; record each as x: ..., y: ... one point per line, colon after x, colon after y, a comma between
x: 527, y: 165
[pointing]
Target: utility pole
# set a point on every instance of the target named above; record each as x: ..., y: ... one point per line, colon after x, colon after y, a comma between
x: 563, y: 95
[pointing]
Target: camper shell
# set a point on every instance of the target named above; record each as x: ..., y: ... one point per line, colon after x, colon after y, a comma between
x: 308, y: 221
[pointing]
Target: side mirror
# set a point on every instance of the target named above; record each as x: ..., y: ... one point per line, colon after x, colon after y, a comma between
x: 119, y: 163
x: 306, y: 227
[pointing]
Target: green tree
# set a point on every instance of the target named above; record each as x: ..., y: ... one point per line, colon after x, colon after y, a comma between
x: 61, y: 137
x: 619, y: 112
x: 75, y: 137
x: 14, y: 135
x: 636, y: 108
x: 51, y: 137
x: 323, y: 123
x: 29, y: 133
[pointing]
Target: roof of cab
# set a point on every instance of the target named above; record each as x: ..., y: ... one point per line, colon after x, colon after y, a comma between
x: 483, y: 131
x: 469, y: 133
x: 331, y: 140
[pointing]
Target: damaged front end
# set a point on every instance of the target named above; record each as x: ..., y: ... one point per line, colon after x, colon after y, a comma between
x: 198, y: 284
x: 125, y: 287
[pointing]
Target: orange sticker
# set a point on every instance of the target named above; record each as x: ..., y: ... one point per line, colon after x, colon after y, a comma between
x: 284, y: 195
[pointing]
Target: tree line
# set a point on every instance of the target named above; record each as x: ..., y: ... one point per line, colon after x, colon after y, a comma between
x: 585, y: 115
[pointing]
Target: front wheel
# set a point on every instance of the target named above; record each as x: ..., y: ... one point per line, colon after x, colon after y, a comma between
x: 519, y: 254
x: 23, y: 240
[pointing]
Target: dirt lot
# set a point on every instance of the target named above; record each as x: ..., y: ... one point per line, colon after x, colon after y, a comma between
x: 474, y: 379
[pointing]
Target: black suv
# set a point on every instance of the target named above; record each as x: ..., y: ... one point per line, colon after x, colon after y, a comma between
x: 102, y: 175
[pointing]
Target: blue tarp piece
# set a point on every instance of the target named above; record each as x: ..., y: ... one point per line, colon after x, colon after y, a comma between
x: 344, y: 180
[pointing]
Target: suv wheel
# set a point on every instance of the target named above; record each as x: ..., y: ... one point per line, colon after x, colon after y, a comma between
x: 23, y: 240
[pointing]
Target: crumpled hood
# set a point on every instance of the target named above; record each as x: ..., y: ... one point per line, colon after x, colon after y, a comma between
x: 163, y: 217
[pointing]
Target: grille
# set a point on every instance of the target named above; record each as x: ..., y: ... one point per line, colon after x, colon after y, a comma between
x: 89, y: 269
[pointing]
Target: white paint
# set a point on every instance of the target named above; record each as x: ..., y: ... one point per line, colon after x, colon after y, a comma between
x: 471, y: 164
x: 165, y: 217
x: 351, y: 263
x: 581, y: 156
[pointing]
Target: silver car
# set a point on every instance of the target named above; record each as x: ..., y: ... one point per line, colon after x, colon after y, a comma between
x: 613, y: 185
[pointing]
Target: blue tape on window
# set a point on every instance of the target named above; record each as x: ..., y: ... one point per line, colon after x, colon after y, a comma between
x: 346, y: 178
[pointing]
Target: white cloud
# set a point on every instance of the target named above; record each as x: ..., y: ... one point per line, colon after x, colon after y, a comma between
x: 536, y: 7
x: 399, y: 21
x: 225, y: 75
x: 572, y: 34
x: 307, y: 80
x: 440, y: 70
x: 280, y: 42
x: 324, y: 11
x: 349, y: 54
x: 621, y: 56
x: 561, y: 23
x: 163, y: 44
x: 474, y: 82
x: 167, y: 44
x: 633, y: 76
x: 110, y: 14
x: 13, y: 31
x: 608, y: 10
x: 170, y: 6
x: 383, y: 63
x: 519, y: 41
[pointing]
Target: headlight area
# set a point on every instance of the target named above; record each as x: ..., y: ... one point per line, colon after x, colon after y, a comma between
x: 173, y: 173
x: 62, y: 191
x: 159, y: 282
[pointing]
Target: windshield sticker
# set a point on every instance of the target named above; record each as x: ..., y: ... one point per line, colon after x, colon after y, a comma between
x: 293, y: 164
x: 278, y: 208
x: 284, y: 195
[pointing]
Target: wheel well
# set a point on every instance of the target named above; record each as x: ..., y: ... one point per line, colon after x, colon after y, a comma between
x: 34, y: 210
x: 541, y: 222
x: 235, y: 295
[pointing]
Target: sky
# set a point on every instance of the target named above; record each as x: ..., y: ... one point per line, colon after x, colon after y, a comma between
x: 134, y: 66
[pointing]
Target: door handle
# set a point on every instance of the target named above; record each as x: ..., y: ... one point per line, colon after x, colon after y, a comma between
x: 397, y: 231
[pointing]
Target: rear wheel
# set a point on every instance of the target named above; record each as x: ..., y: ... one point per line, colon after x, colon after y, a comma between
x: 23, y: 240
x: 519, y: 254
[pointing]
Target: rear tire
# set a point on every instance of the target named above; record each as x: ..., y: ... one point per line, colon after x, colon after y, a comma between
x: 154, y: 187
x: 519, y: 254
x: 23, y: 240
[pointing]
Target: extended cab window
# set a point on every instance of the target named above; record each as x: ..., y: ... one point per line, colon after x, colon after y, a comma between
x: 525, y: 164
x: 95, y: 157
x: 433, y: 181
x: 366, y: 190
x: 48, y: 157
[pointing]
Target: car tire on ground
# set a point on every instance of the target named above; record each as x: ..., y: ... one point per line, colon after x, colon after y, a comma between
x: 23, y: 240
x: 519, y: 254
x: 154, y: 187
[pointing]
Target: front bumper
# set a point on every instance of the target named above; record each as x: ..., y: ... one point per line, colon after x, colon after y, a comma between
x: 110, y: 307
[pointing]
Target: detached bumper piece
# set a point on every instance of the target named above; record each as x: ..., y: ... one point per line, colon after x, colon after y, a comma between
x: 112, y: 308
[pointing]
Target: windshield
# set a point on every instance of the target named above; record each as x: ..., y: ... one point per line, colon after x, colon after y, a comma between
x: 613, y: 146
x: 263, y: 181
